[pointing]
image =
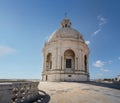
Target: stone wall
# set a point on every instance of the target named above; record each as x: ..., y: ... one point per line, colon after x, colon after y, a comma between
x: 66, y: 77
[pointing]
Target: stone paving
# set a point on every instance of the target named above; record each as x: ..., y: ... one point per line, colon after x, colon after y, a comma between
x: 70, y: 92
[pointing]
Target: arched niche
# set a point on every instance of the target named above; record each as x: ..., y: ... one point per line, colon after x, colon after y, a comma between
x: 69, y: 59
x: 49, y: 61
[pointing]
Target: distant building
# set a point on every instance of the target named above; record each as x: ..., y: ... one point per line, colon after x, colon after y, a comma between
x: 65, y: 55
x: 118, y: 78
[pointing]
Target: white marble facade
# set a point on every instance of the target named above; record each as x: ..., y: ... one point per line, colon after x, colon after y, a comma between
x: 65, y: 55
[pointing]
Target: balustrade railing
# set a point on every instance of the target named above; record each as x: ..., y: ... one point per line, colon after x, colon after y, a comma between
x: 18, y: 92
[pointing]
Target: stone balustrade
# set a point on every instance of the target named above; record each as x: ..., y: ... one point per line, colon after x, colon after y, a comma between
x: 18, y: 92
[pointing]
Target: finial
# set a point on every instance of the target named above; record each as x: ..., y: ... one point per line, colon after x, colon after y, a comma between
x: 65, y: 14
x: 66, y: 22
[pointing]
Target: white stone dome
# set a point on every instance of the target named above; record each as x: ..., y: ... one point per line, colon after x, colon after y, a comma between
x: 65, y: 32
x: 65, y: 55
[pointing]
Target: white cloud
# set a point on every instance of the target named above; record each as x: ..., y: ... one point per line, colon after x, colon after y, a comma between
x: 98, y: 63
x: 97, y: 31
x: 119, y: 58
x: 102, y: 20
x: 5, y: 50
x: 87, y: 42
x: 104, y: 70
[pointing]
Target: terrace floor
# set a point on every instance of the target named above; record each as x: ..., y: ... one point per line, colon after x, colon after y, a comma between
x: 71, y: 92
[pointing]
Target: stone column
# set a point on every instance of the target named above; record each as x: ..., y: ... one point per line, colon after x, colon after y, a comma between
x: 76, y: 59
x: 83, y: 64
x: 62, y: 60
x: 44, y: 64
x: 87, y: 63
x: 52, y: 62
x: 58, y: 59
x: 53, y: 59
x: 76, y: 64
x: 82, y: 61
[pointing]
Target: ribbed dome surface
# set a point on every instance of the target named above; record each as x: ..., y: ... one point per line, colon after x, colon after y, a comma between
x: 65, y: 32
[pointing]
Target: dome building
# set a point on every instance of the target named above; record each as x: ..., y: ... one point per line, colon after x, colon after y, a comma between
x: 65, y: 55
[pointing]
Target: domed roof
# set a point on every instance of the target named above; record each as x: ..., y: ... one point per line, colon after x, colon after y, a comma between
x: 65, y: 32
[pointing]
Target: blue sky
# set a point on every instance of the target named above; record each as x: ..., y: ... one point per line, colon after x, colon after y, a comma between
x: 25, y: 25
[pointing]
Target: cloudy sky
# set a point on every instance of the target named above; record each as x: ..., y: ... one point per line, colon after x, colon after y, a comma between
x: 25, y: 25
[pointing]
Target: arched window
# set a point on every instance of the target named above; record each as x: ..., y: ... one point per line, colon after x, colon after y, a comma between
x: 65, y: 25
x: 85, y: 63
x: 68, y: 63
x: 49, y: 61
x: 69, y: 59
